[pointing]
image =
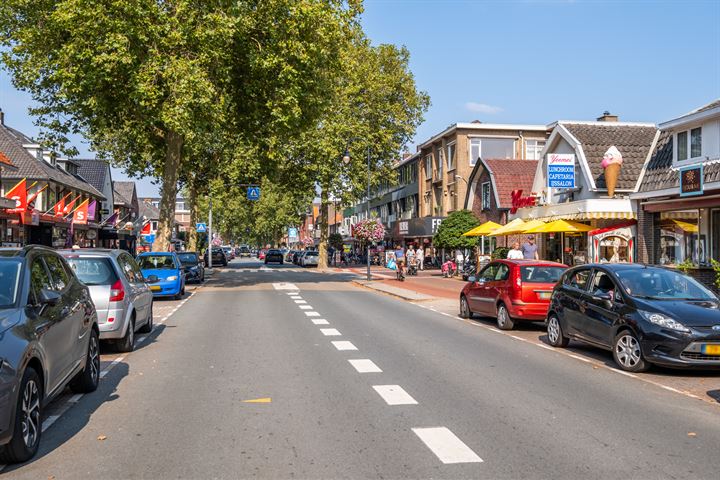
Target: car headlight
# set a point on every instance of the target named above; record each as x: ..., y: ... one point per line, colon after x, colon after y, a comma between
x: 664, y: 321
x: 171, y: 278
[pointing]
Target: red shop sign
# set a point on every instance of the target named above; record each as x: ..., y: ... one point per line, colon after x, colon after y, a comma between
x: 518, y: 201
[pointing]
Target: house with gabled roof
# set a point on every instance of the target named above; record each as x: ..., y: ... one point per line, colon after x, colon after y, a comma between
x: 97, y: 172
x: 679, y: 194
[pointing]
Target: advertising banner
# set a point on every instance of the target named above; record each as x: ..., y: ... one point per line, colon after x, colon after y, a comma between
x: 561, y: 170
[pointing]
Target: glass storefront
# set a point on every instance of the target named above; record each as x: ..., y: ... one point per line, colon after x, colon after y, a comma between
x: 680, y: 238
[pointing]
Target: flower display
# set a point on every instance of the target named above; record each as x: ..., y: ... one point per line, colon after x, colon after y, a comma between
x: 371, y: 230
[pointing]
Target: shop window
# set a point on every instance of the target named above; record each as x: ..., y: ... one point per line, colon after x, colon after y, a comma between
x: 614, y: 249
x: 486, y: 196
x: 680, y: 240
x: 682, y: 139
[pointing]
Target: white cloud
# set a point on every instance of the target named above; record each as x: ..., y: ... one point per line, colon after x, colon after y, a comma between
x: 483, y: 108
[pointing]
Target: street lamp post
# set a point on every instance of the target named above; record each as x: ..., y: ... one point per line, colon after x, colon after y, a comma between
x: 346, y: 158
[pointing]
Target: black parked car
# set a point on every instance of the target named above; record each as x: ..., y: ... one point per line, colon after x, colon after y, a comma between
x: 193, y: 267
x: 48, y: 339
x: 218, y: 257
x: 274, y: 256
x: 643, y: 314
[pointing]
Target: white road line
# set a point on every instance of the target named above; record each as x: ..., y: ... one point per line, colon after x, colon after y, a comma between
x: 292, y: 293
x: 344, y: 345
x: 365, y: 365
x: 298, y: 300
x: 305, y: 307
x: 75, y: 398
x: 394, y: 395
x: 312, y: 314
x: 446, y: 445
x: 330, y: 332
x: 111, y: 366
x: 284, y: 286
x: 47, y: 423
x: 320, y: 321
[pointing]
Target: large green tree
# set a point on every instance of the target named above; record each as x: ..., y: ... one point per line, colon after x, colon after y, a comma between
x: 449, y: 233
x: 153, y: 83
x: 373, y: 112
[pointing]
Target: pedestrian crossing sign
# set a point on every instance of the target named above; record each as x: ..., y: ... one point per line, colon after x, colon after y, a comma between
x: 253, y: 193
x: 201, y: 227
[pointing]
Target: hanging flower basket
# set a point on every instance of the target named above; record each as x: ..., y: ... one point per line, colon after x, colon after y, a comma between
x: 371, y: 230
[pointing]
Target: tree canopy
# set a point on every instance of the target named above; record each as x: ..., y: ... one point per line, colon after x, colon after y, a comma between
x: 449, y: 233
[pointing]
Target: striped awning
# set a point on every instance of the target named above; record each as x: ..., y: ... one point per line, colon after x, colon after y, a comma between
x: 591, y: 216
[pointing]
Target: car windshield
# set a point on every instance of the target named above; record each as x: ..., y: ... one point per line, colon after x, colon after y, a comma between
x: 9, y: 282
x: 541, y: 274
x: 187, y: 258
x: 150, y: 262
x: 661, y: 284
x: 93, y: 271
x: 311, y: 254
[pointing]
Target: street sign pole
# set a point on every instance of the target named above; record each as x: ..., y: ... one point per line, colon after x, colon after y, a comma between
x: 209, y: 233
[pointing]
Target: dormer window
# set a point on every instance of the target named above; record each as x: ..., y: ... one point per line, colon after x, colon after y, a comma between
x: 689, y: 141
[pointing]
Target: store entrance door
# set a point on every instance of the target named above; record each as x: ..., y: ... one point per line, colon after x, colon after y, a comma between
x: 41, y: 235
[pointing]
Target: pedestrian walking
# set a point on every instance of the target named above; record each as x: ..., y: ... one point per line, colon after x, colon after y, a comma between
x: 420, y: 253
x: 515, y: 253
x: 529, y: 249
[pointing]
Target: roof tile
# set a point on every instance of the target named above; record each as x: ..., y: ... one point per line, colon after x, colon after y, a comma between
x: 511, y: 175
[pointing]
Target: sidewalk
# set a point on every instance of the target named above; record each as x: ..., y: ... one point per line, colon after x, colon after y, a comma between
x: 427, y: 285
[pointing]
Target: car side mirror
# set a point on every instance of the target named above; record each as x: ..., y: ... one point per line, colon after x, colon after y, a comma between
x: 49, y: 297
x: 605, y: 298
x: 151, y: 279
x: 472, y: 279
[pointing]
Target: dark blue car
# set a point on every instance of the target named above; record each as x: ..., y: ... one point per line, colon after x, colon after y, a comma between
x: 168, y: 270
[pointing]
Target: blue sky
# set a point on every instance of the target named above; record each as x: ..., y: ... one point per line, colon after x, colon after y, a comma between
x: 534, y: 61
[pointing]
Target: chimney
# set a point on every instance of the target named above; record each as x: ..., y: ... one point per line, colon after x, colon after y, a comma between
x: 607, y: 117
x: 476, y: 121
x: 2, y: 117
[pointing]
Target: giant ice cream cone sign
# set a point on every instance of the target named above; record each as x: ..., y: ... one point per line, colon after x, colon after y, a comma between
x: 611, y: 162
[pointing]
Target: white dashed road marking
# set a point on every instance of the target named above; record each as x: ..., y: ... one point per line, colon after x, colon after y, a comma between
x: 344, y: 345
x: 284, y: 286
x: 446, y: 445
x: 394, y: 395
x: 320, y: 321
x: 305, y: 307
x: 365, y: 365
x: 330, y: 332
x: 312, y: 314
x: 298, y: 301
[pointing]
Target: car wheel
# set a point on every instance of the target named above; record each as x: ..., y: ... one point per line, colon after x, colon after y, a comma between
x: 147, y: 328
x: 627, y: 352
x: 504, y: 322
x: 465, y: 311
x: 127, y: 343
x: 28, y: 421
x: 555, y: 335
x: 88, y: 378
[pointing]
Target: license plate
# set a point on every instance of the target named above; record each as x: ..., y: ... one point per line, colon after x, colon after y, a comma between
x: 155, y: 288
x: 711, y: 349
x: 544, y: 295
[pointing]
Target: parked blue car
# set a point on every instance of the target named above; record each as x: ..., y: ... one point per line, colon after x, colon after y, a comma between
x: 164, y: 273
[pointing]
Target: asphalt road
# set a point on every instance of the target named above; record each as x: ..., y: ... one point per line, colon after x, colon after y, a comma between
x: 245, y: 380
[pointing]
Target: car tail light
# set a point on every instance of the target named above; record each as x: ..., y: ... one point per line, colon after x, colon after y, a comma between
x: 111, y: 319
x: 117, y: 292
x: 516, y: 285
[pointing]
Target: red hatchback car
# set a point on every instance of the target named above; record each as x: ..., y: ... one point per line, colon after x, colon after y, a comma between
x: 511, y: 290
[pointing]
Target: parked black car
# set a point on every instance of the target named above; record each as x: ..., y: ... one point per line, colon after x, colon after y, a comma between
x: 193, y: 267
x: 48, y: 339
x: 643, y: 314
x: 218, y: 257
x: 274, y: 255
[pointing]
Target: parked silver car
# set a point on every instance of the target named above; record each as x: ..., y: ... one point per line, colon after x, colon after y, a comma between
x: 310, y: 259
x: 122, y: 298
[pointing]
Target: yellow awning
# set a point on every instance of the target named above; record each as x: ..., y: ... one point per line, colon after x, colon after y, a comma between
x: 561, y: 226
x: 688, y: 227
x: 483, y: 229
x: 508, y: 227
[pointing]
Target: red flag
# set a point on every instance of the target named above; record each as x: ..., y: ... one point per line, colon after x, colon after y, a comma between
x: 19, y: 194
x: 81, y: 213
x: 145, y: 229
x: 59, y: 207
x: 32, y: 197
x: 68, y: 208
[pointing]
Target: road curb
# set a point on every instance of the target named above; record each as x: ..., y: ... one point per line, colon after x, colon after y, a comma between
x: 394, y: 291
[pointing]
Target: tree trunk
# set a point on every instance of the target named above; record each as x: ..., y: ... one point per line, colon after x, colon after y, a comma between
x: 324, y: 227
x: 192, y: 233
x: 168, y: 191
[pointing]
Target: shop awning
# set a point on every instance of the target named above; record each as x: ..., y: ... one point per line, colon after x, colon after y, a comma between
x: 688, y: 227
x: 561, y: 226
x: 483, y: 229
x: 588, y: 209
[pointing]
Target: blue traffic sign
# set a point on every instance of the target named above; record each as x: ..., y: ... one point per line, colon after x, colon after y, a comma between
x: 292, y: 232
x: 201, y: 227
x: 253, y: 193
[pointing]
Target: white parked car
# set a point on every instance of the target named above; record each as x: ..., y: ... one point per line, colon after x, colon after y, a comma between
x: 310, y: 259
